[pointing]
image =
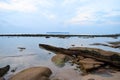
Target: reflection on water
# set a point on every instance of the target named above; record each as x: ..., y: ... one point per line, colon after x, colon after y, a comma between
x: 24, y: 52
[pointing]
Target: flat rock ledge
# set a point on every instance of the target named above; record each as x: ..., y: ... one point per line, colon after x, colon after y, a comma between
x: 34, y: 73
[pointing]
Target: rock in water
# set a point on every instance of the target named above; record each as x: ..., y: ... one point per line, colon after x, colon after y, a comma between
x: 4, y: 70
x: 34, y: 73
x: 60, y: 59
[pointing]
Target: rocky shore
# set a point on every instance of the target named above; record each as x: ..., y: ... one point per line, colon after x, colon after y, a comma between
x: 89, y: 64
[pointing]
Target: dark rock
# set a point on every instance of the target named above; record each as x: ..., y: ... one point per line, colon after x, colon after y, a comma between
x: 4, y: 70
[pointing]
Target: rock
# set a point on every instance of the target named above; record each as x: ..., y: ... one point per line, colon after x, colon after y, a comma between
x: 4, y: 70
x: 34, y: 73
x: 13, y: 70
x: 80, y: 57
x: 59, y: 59
x: 21, y: 48
x: 91, y: 79
x: 2, y: 78
x: 72, y: 45
x: 88, y: 64
x: 90, y: 61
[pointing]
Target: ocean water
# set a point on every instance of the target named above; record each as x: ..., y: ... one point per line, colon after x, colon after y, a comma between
x: 33, y: 55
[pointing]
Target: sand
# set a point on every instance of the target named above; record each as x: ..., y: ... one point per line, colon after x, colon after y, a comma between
x: 71, y: 74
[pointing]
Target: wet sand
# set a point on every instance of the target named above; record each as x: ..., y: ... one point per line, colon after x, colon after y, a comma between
x: 71, y: 74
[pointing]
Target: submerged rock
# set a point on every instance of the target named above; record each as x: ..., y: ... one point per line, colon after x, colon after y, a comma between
x: 60, y: 59
x: 34, y: 73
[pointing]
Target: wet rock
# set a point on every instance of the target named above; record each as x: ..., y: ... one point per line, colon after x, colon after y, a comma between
x: 2, y: 78
x: 47, y: 37
x: 4, y: 70
x: 80, y: 57
x: 72, y: 45
x: 34, y: 73
x: 21, y: 48
x: 88, y: 64
x: 91, y: 79
x: 87, y: 59
x: 13, y: 70
x: 60, y: 59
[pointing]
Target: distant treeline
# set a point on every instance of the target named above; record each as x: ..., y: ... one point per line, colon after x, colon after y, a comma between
x: 58, y: 35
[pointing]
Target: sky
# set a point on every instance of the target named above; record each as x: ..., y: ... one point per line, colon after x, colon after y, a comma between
x: 73, y: 16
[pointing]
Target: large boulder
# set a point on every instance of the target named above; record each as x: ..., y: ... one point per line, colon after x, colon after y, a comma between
x: 34, y: 73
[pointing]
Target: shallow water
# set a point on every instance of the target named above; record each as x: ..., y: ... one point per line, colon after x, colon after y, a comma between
x: 32, y: 55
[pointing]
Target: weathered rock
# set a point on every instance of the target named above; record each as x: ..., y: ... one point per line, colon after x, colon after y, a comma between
x: 4, y: 70
x: 88, y: 64
x: 90, y: 61
x: 60, y: 59
x: 34, y: 73
x: 108, y: 57
x: 87, y: 59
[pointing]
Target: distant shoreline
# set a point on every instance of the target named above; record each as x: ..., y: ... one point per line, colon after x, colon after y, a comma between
x: 58, y: 35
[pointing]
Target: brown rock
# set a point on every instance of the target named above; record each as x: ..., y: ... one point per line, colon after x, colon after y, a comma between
x: 34, y: 73
x: 2, y: 78
x: 80, y: 57
x: 91, y: 79
x: 60, y: 59
x: 88, y: 63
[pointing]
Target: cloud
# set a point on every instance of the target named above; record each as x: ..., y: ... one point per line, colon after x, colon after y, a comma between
x: 26, y: 5
x: 41, y: 7
x: 49, y: 16
x: 83, y: 12
x: 93, y: 17
x: 45, y: 3
x: 94, y: 12
x: 67, y: 2
x: 18, y: 5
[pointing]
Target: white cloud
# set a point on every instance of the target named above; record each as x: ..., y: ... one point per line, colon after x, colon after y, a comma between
x: 112, y: 13
x: 67, y: 2
x: 49, y: 16
x: 42, y: 7
x: 94, y: 12
x: 113, y: 22
x: 26, y: 5
x: 92, y: 17
x: 74, y: 2
x: 18, y: 5
x: 45, y: 3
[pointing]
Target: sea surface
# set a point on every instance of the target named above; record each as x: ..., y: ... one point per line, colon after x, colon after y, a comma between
x: 32, y: 55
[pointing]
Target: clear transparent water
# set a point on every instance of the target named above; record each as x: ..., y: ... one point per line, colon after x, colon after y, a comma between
x: 35, y: 56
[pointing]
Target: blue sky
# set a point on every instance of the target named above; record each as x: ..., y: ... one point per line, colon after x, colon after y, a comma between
x: 74, y: 16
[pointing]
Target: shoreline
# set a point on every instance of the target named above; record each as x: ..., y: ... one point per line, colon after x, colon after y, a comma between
x: 59, y: 35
